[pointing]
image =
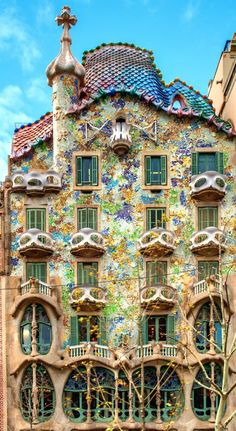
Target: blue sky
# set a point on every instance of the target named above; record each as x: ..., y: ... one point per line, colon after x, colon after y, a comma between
x: 186, y: 36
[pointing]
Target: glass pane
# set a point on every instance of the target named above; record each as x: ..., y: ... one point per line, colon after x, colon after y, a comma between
x: 86, y: 170
x: 44, y: 338
x: 151, y: 329
x: 26, y: 338
x: 206, y: 162
x: 155, y: 170
x: 156, y: 272
x: 156, y: 217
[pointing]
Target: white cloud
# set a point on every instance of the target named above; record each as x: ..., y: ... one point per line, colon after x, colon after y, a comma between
x: 37, y: 90
x: 12, y: 101
x: 16, y: 39
x: 46, y: 13
x: 190, y: 11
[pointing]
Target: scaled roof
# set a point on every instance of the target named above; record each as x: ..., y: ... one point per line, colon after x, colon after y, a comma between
x: 123, y: 68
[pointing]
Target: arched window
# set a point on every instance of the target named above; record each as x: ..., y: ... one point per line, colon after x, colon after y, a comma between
x: 37, y: 395
x: 171, y: 391
x: 42, y: 337
x: 123, y: 396
x: 75, y: 395
x: 150, y: 389
x: 208, y: 328
x: 178, y: 102
x: 201, y: 396
x: 102, y: 394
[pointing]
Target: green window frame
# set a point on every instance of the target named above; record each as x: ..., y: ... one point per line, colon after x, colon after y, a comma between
x: 155, y: 170
x: 87, y: 218
x: 159, y: 328
x: 87, y: 170
x: 207, y: 161
x: 37, y: 270
x: 36, y: 218
x: 86, y: 329
x: 155, y: 217
x: 201, y: 396
x: 207, y: 268
x: 87, y: 273
x: 156, y: 272
x: 75, y: 394
x: 207, y: 217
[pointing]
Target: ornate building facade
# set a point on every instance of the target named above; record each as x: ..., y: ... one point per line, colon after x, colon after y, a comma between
x: 118, y: 235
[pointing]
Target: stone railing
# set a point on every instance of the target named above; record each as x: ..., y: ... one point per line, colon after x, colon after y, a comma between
x: 35, y: 286
x: 88, y: 294
x: 147, y: 350
x: 157, y: 294
x: 209, y: 241
x: 36, y: 182
x: 157, y: 242
x: 206, y: 286
x: 87, y: 243
x: 90, y: 349
x: 208, y: 185
x: 36, y: 240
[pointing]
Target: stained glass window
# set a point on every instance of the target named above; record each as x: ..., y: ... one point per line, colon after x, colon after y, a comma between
x: 75, y: 395
x: 201, y: 396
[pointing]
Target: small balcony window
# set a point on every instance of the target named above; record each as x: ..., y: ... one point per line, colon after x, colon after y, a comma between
x: 207, y: 269
x: 37, y: 270
x: 87, y: 273
x: 87, y: 170
x: 156, y: 272
x: 36, y: 218
x: 155, y: 170
x: 159, y: 328
x: 207, y: 161
x: 207, y: 217
x: 156, y: 217
x: 87, y: 218
x: 87, y: 329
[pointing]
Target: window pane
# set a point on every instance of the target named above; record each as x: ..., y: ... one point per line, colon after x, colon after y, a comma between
x: 207, y: 216
x: 206, y: 162
x: 36, y: 218
x: 155, y: 170
x: 37, y: 270
x: 87, y: 218
x: 156, y: 217
x: 207, y: 268
x: 156, y: 272
x: 86, y: 170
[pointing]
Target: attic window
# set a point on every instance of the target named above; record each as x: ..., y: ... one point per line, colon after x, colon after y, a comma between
x: 178, y: 103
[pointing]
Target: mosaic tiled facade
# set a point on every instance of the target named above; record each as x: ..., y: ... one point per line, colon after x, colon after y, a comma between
x: 117, y: 111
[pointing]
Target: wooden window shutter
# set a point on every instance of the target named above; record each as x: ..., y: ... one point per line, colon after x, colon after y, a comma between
x: 194, y: 163
x: 80, y: 276
x: 163, y: 170
x: 74, y: 331
x: 92, y: 218
x: 171, y: 336
x: 82, y: 218
x: 94, y: 170
x: 147, y: 170
x: 102, y: 339
x: 94, y: 275
x: 79, y: 170
x: 144, y: 330
x: 220, y: 162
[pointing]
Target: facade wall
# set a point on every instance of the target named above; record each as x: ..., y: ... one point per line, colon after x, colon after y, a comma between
x: 122, y: 201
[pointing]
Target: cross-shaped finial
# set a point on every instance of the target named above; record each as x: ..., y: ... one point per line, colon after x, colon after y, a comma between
x: 66, y: 20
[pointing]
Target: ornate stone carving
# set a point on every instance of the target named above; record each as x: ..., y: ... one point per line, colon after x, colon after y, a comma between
x: 83, y: 296
x: 36, y: 183
x: 208, y: 242
x: 160, y: 294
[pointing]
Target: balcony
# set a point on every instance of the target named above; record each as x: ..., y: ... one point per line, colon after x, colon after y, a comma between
x: 36, y: 243
x: 160, y: 295
x: 162, y: 349
x: 87, y: 243
x: 36, y: 183
x: 208, y: 242
x: 157, y: 242
x: 34, y: 286
x: 90, y: 349
x: 88, y: 297
x: 207, y: 186
x: 211, y: 285
x: 121, y: 140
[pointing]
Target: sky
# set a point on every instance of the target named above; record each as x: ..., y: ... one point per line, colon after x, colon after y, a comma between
x: 186, y: 37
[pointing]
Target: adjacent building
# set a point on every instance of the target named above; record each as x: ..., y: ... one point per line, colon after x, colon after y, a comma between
x: 117, y: 218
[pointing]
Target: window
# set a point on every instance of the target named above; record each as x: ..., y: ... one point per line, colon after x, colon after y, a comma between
x: 102, y: 394
x: 202, y: 162
x: 75, y: 395
x: 85, y: 329
x: 209, y: 316
x: 155, y: 217
x: 156, y: 272
x: 44, y: 404
x: 155, y: 170
x: 37, y: 270
x: 172, y: 398
x: 207, y: 216
x: 87, y: 217
x: 207, y: 268
x: 159, y: 328
x: 36, y: 218
x: 43, y: 337
x: 150, y: 401
x: 87, y: 273
x: 201, y: 396
x: 87, y: 170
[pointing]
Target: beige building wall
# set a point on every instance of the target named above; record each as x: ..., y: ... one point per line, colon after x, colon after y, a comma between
x: 222, y: 88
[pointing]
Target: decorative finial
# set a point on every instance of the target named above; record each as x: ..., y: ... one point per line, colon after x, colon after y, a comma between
x: 65, y: 62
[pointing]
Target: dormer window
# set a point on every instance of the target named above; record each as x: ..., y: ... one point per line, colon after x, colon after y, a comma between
x: 120, y: 137
x: 178, y: 103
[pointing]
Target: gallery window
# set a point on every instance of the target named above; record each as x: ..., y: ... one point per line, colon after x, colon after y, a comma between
x: 43, y: 336
x: 208, y: 331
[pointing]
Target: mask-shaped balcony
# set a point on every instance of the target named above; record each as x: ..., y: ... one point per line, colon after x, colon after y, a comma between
x: 36, y: 183
x: 208, y: 242
x: 88, y: 297
x: 36, y: 243
x: 120, y: 138
x: 87, y: 243
x: 157, y: 242
x: 160, y: 295
x: 209, y: 185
